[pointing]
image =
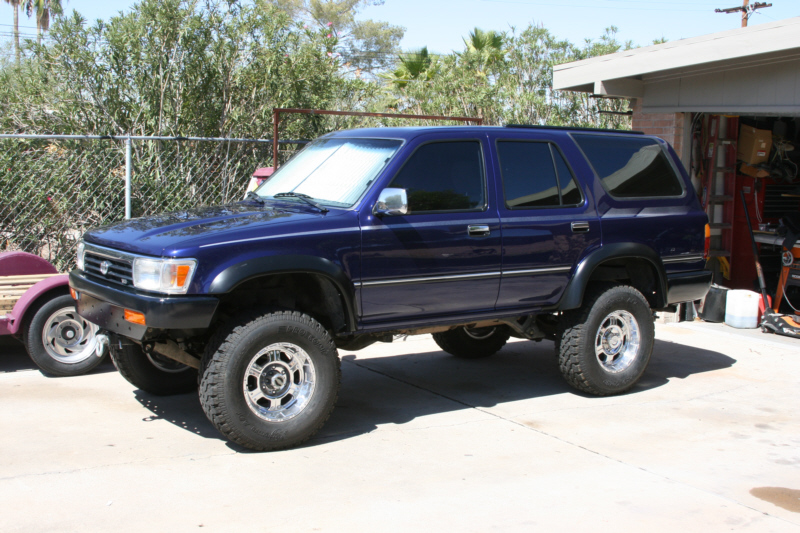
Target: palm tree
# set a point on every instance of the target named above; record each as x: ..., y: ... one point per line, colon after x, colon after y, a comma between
x: 484, y: 47
x: 414, y: 66
x: 15, y: 4
x: 43, y: 10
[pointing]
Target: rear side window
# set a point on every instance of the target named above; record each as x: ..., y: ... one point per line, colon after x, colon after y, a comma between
x: 630, y: 167
x: 535, y: 175
x: 444, y: 176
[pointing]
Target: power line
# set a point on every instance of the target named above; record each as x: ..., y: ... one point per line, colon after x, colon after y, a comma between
x: 746, y: 9
x: 668, y: 6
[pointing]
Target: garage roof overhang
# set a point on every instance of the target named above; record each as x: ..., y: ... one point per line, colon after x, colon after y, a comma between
x: 753, y: 70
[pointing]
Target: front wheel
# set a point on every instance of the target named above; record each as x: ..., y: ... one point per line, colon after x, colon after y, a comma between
x: 151, y: 373
x: 605, y: 346
x: 60, y: 341
x: 272, y: 382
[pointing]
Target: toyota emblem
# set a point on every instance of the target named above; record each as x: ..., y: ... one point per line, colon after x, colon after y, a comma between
x: 104, y: 267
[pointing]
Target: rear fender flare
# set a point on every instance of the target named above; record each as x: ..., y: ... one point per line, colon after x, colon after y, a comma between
x: 573, y: 295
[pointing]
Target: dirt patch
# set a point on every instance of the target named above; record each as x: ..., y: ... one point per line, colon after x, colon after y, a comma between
x: 788, y: 499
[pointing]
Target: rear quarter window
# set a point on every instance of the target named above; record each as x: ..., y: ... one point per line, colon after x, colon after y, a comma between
x: 630, y: 167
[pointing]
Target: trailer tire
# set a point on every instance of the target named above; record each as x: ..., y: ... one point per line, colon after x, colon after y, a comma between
x: 60, y: 341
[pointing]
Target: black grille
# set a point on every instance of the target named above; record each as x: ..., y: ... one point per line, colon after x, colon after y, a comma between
x: 119, y: 271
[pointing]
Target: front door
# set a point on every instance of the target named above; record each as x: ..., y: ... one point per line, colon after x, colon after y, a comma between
x: 443, y: 257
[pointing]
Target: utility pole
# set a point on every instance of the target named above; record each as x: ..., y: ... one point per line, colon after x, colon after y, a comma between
x: 746, y: 10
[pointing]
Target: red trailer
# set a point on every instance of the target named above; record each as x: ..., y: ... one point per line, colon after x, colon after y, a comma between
x: 36, y: 307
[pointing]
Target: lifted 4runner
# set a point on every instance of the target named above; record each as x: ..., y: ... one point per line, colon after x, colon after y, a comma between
x: 473, y: 234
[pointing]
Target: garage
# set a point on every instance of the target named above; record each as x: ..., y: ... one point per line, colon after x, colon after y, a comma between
x: 729, y: 104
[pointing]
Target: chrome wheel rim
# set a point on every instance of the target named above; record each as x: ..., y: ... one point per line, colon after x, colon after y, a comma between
x: 68, y: 337
x: 617, y: 341
x: 279, y: 382
x: 480, y: 334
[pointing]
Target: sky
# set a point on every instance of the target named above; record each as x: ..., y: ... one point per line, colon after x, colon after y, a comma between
x: 441, y: 24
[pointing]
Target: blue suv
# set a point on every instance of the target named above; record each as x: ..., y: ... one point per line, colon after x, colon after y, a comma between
x: 471, y: 234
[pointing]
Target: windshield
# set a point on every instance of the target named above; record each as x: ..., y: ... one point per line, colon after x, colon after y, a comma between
x: 334, y: 172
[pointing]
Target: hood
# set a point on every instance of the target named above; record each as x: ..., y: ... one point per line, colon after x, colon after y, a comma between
x: 168, y: 234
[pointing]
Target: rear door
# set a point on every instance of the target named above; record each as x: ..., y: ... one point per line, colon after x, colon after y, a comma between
x: 548, y: 218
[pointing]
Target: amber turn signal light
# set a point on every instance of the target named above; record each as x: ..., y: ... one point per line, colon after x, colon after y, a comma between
x: 134, y: 317
x: 73, y: 293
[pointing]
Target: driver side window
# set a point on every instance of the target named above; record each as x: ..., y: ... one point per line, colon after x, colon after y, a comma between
x: 444, y: 176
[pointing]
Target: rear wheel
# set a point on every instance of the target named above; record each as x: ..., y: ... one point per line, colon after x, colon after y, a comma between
x: 472, y: 343
x: 272, y: 382
x: 152, y: 373
x: 60, y: 341
x: 605, y: 347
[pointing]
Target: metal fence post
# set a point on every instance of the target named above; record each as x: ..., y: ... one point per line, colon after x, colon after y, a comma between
x: 77, y: 185
x: 128, y: 177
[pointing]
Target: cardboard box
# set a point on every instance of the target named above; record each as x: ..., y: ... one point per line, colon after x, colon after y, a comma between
x: 747, y: 170
x: 754, y: 145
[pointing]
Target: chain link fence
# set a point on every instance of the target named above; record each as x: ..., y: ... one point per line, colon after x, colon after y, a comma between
x: 53, y: 188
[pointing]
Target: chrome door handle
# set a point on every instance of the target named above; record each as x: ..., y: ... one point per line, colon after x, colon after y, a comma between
x: 478, y: 231
x: 580, y: 227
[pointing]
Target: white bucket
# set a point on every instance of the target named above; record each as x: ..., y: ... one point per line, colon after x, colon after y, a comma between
x: 741, y: 309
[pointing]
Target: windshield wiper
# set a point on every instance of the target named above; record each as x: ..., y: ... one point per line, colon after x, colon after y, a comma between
x: 251, y: 195
x: 306, y: 198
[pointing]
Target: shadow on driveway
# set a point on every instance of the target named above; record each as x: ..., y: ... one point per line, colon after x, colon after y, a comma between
x: 397, y: 389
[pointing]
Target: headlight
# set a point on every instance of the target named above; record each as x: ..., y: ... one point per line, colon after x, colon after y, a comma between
x: 171, y: 276
x: 81, y: 252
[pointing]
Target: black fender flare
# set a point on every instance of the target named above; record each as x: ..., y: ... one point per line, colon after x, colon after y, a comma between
x: 235, y: 275
x: 573, y: 294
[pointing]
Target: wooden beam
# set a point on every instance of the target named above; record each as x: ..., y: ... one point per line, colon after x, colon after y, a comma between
x: 625, y: 87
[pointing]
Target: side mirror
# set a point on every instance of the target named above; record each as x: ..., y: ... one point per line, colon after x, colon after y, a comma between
x: 391, y: 202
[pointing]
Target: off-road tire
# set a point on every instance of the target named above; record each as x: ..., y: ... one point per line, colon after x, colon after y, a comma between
x: 229, y: 372
x: 472, y: 343
x: 581, y: 338
x: 59, y: 341
x: 141, y: 372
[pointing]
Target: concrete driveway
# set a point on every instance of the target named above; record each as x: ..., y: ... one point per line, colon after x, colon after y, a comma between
x: 709, y: 441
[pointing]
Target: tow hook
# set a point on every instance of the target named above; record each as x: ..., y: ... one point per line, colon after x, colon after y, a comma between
x: 102, y: 344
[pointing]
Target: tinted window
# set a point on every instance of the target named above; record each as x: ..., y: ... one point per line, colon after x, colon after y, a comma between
x: 629, y: 167
x: 444, y: 176
x: 532, y: 174
x: 570, y: 194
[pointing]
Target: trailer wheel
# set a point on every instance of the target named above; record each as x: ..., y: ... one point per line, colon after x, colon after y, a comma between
x: 60, y: 341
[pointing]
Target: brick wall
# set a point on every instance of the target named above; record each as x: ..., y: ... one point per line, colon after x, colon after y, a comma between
x: 668, y: 126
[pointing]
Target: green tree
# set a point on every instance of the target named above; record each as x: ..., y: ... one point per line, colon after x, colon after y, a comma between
x: 43, y: 9
x: 416, y: 65
x: 366, y: 45
x: 15, y: 6
x: 484, y: 50
x: 178, y: 67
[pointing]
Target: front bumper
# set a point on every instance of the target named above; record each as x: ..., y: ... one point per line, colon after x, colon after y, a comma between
x: 104, y: 305
x: 688, y: 286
